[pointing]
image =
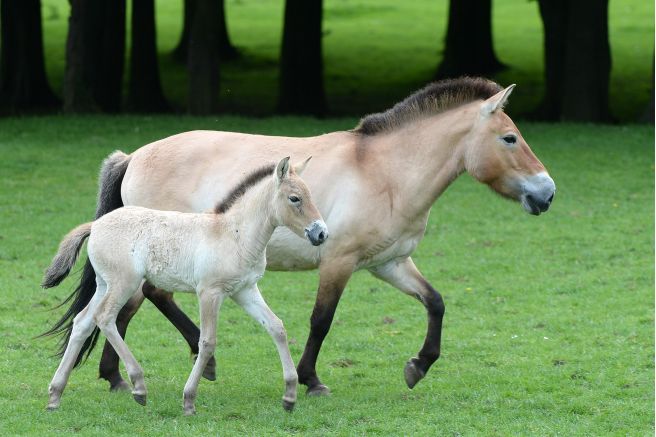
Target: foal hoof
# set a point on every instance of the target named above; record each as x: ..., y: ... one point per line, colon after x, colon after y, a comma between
x: 141, y: 399
x: 412, y: 373
x: 52, y: 407
x: 119, y: 386
x: 210, y: 370
x: 318, y: 390
x: 288, y: 405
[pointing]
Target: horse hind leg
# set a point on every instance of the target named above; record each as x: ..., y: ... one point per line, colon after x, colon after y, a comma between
x: 105, y: 317
x: 252, y: 302
x: 108, y: 368
x: 83, y: 326
x: 405, y: 276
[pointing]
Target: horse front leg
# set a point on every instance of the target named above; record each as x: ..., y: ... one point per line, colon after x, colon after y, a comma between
x: 332, y: 280
x: 405, y: 276
x: 164, y: 302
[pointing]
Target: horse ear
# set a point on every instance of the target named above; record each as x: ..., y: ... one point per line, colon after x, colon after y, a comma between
x: 299, y: 168
x: 497, y: 101
x: 282, y: 169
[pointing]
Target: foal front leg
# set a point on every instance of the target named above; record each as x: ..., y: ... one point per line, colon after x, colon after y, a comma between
x: 405, y: 276
x: 252, y: 302
x: 209, y: 302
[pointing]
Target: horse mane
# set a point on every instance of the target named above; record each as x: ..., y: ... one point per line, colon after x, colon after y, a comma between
x: 241, y: 188
x: 434, y: 98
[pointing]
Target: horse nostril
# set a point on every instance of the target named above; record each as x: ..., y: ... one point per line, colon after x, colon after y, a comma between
x: 321, y: 236
x: 550, y: 199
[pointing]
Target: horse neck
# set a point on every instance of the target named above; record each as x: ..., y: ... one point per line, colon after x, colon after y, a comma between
x: 252, y: 219
x: 423, y: 157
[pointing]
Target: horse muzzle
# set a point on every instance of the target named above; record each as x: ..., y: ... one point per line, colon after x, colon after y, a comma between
x: 317, y: 232
x: 537, y: 193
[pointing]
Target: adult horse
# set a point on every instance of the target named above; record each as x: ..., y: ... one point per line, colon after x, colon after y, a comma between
x: 374, y: 186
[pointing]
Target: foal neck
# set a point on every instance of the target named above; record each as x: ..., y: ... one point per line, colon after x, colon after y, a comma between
x: 252, y: 219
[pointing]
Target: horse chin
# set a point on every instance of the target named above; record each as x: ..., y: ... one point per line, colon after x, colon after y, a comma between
x: 529, y: 207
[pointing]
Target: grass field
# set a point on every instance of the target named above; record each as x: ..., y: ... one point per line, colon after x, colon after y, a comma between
x: 376, y: 52
x: 549, y: 328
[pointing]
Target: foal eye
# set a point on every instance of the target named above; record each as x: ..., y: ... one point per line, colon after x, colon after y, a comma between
x: 509, y: 139
x: 294, y: 199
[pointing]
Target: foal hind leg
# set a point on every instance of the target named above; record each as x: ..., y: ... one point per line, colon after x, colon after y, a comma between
x: 117, y: 295
x: 108, y: 368
x: 405, y: 276
x: 209, y: 302
x: 83, y: 325
x: 252, y: 302
x: 164, y: 302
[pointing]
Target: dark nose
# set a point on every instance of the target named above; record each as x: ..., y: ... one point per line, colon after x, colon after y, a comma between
x: 317, y: 233
x: 539, y: 205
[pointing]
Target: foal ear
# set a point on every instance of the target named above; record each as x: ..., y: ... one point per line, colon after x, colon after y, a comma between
x: 299, y: 168
x: 282, y: 169
x: 497, y: 101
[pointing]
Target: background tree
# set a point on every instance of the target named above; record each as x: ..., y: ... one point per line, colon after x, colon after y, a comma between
x: 95, y: 52
x: 468, y: 44
x: 203, y: 62
x: 145, y: 89
x: 225, y: 48
x: 577, y: 60
x: 301, y: 63
x: 23, y: 82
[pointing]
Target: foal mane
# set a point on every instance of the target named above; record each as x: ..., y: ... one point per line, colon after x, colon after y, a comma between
x: 434, y: 98
x: 241, y: 188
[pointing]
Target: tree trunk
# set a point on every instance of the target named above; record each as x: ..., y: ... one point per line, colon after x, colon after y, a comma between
x: 301, y: 63
x: 145, y: 92
x: 95, y: 52
x: 226, y: 50
x: 23, y: 82
x: 577, y: 60
x: 468, y: 43
x: 203, y: 60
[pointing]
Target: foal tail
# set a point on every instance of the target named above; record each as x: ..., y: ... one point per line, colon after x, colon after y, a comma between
x: 63, y: 262
x: 112, y: 172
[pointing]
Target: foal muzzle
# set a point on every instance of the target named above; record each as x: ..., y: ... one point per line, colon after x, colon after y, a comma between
x: 317, y: 232
x: 538, y: 193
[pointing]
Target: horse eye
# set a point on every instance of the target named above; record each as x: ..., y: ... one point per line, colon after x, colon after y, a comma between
x: 510, y: 139
x: 294, y: 199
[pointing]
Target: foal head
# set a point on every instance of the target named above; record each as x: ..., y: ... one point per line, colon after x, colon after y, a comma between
x: 497, y: 155
x: 293, y: 203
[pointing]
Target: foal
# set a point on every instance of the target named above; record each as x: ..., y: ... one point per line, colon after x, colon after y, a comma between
x: 218, y: 255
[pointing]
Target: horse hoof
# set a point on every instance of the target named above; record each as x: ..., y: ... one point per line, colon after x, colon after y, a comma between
x: 412, y: 373
x: 288, y: 405
x: 318, y: 390
x: 141, y: 399
x: 210, y: 370
x: 52, y: 407
x: 119, y: 386
x: 189, y: 411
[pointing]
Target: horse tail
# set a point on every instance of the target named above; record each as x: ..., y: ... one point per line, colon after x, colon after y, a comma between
x: 63, y: 262
x: 112, y: 172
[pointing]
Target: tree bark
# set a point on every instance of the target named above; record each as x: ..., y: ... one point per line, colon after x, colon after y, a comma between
x: 468, y: 43
x: 145, y: 89
x: 203, y: 60
x: 226, y: 50
x: 95, y: 56
x: 301, y: 63
x: 23, y: 82
x: 577, y: 60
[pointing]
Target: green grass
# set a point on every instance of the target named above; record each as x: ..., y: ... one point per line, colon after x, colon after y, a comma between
x: 377, y: 52
x: 549, y: 328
